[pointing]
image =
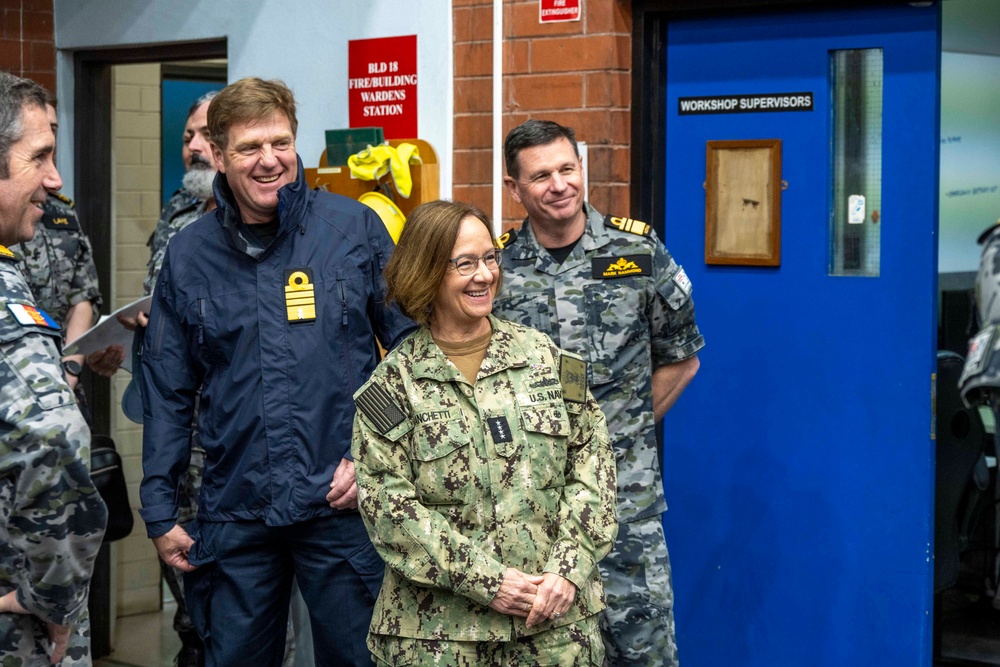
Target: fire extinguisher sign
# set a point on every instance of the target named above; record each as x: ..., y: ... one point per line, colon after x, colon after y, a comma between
x: 382, y: 84
x: 557, y: 11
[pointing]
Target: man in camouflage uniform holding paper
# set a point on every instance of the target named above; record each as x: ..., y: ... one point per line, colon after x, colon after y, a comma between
x: 606, y: 289
x: 51, y: 516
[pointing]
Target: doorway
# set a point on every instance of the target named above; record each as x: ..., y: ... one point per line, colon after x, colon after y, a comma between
x: 117, y: 165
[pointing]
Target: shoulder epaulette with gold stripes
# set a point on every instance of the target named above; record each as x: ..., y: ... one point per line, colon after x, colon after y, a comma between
x: 507, y: 238
x: 628, y: 225
x: 7, y: 254
x: 64, y: 199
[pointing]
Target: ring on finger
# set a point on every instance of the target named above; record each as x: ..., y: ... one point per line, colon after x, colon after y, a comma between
x: 556, y: 614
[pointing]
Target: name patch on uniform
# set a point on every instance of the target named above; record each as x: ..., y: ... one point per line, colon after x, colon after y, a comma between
x: 500, y: 429
x: 629, y: 225
x: 683, y: 282
x: 433, y: 416
x: 300, y: 296
x: 621, y: 267
x: 28, y: 315
x: 573, y: 377
x: 376, y: 404
x: 60, y: 221
x: 6, y: 253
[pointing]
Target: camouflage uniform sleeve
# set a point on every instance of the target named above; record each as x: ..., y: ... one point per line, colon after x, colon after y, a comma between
x: 413, y: 539
x: 588, y: 522
x: 673, y: 332
x: 54, y: 518
x: 83, y: 285
x: 158, y: 240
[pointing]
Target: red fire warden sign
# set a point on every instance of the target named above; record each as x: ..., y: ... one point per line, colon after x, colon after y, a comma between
x: 552, y: 11
x: 382, y: 84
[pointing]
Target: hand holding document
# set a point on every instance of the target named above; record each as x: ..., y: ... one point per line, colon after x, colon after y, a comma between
x: 109, y: 331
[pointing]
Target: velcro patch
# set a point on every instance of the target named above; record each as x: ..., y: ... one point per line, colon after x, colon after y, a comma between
x: 683, y: 282
x: 60, y: 221
x: 500, y: 429
x: 28, y: 316
x: 376, y: 404
x: 573, y: 377
x: 637, y: 227
x: 622, y: 266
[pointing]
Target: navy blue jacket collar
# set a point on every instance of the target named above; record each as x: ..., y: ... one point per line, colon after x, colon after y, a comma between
x: 293, y: 201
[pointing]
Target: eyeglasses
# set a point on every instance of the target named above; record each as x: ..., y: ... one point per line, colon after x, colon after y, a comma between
x: 466, y: 265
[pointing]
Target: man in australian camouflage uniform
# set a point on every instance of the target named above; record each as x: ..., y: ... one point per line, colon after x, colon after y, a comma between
x: 58, y: 264
x: 607, y: 289
x: 51, y: 516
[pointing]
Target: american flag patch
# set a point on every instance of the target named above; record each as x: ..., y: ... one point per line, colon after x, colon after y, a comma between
x: 379, y: 408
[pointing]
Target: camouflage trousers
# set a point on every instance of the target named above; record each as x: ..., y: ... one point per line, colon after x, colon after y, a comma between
x: 24, y: 642
x: 638, y: 623
x: 573, y: 645
x: 186, y: 512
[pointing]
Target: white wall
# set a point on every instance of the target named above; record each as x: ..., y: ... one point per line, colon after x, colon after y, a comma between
x: 303, y: 42
x: 970, y: 156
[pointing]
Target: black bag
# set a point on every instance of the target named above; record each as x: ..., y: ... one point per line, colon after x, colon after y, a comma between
x: 109, y: 478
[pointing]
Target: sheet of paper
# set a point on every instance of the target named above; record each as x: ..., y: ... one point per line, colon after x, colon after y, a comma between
x: 109, y: 331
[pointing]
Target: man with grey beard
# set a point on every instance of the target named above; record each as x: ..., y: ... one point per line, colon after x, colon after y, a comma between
x: 195, y: 198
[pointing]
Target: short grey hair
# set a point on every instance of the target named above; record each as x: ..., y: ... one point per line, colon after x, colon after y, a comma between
x: 16, y: 94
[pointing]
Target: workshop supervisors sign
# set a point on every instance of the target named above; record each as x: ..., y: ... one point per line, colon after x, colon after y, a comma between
x: 762, y: 102
x: 382, y: 85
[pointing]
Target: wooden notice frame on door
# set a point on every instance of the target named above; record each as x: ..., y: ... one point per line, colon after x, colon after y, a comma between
x: 743, y: 202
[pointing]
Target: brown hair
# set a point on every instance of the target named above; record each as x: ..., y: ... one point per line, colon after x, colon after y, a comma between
x: 249, y: 99
x: 418, y: 265
x: 531, y: 133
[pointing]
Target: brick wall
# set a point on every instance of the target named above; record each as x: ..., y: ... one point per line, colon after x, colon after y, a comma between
x: 27, y: 41
x: 575, y: 73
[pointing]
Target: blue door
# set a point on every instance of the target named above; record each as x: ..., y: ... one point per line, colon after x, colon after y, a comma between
x: 799, y: 463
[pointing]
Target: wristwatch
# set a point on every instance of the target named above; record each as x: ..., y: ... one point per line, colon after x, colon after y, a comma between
x: 72, y: 367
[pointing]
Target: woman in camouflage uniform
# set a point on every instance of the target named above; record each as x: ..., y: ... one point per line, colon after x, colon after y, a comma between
x: 485, y: 476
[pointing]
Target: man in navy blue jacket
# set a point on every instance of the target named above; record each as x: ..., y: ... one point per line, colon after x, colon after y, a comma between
x: 272, y: 304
